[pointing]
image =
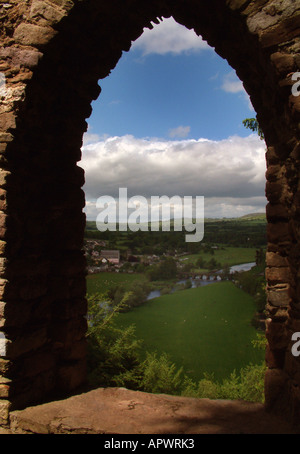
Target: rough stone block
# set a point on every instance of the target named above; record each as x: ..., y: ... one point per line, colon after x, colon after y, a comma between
x: 275, y: 380
x: 276, y: 212
x: 262, y: 21
x: 278, y: 275
x: 4, y: 412
x: 279, y: 297
x: 71, y: 376
x: 278, y: 232
x: 38, y: 363
x: 273, y: 172
x: 26, y: 343
x: 6, y: 137
x: 4, y: 366
x: 284, y: 63
x: 274, y: 358
x: 283, y: 31
x: 4, y: 177
x: 271, y: 156
x: 276, y: 260
x: 4, y: 391
x: 7, y: 121
x: 273, y: 191
x: 277, y: 335
x: 33, y: 35
x: 65, y: 4
x: 42, y: 9
x: 21, y: 57
x: 237, y: 4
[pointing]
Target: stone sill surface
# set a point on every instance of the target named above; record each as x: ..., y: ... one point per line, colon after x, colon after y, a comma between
x: 122, y: 411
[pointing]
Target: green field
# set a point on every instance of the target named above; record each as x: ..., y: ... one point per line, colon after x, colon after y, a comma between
x: 206, y: 329
x: 100, y: 282
x: 229, y: 255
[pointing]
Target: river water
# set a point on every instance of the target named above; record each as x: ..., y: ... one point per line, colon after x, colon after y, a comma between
x: 201, y: 282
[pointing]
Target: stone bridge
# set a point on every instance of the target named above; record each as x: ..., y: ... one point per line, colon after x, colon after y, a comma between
x: 52, y: 54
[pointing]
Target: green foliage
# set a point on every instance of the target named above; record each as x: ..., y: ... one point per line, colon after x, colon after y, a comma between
x: 114, y: 360
x: 230, y: 387
x: 164, y: 270
x: 252, y: 123
x: 253, y: 282
x: 248, y: 385
x: 206, y: 388
x: 113, y: 353
x: 241, y: 232
x: 135, y: 294
x: 165, y: 290
x: 260, y: 342
x: 159, y: 375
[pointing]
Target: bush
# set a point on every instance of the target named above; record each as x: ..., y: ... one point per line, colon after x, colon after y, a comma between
x: 159, y: 375
x: 248, y: 385
x: 113, y: 354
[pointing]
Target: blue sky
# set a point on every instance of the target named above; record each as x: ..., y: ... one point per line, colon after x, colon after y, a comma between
x: 149, y: 96
x: 169, y: 121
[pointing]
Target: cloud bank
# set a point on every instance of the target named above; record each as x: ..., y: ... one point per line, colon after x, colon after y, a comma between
x: 169, y: 36
x: 230, y: 173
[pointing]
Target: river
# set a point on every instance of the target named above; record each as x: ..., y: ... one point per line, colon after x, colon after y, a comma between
x: 201, y: 282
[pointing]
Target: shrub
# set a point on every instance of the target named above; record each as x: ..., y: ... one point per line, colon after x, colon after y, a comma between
x: 159, y: 375
x: 113, y: 354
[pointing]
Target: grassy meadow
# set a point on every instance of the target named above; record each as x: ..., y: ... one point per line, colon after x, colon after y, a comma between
x: 225, y: 256
x: 206, y: 329
x: 100, y: 282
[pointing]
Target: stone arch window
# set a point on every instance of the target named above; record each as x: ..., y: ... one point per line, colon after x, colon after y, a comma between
x: 52, y: 55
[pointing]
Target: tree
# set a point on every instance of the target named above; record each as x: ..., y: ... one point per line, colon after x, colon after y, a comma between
x: 166, y: 269
x: 200, y: 263
x: 113, y: 353
x: 252, y: 123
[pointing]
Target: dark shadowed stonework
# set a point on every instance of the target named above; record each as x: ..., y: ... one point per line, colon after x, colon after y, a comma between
x: 53, y: 53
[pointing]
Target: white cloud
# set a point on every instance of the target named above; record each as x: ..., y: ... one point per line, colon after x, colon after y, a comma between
x: 179, y: 132
x: 232, y: 84
x: 230, y: 173
x: 169, y: 36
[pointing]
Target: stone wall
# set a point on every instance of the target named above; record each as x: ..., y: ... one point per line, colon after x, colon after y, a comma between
x: 53, y: 52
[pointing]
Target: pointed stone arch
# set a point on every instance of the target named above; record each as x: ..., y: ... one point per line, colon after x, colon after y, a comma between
x: 53, y: 54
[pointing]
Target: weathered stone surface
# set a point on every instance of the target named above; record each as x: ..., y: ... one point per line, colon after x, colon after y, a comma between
x: 46, y: 11
x: 284, y: 63
x: 279, y: 297
x: 276, y: 212
x: 278, y: 275
x: 27, y: 342
x: 276, y: 260
x: 4, y: 412
x: 278, y: 232
x: 20, y: 57
x: 7, y: 121
x: 33, y: 35
x: 275, y: 382
x: 121, y: 411
x: 276, y: 334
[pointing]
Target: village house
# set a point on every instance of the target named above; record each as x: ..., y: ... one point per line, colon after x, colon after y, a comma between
x: 110, y: 256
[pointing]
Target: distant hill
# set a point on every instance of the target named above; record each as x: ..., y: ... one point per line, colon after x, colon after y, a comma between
x: 91, y: 225
x: 253, y: 217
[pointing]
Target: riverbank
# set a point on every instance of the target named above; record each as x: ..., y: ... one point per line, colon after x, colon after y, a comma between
x: 199, y: 281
